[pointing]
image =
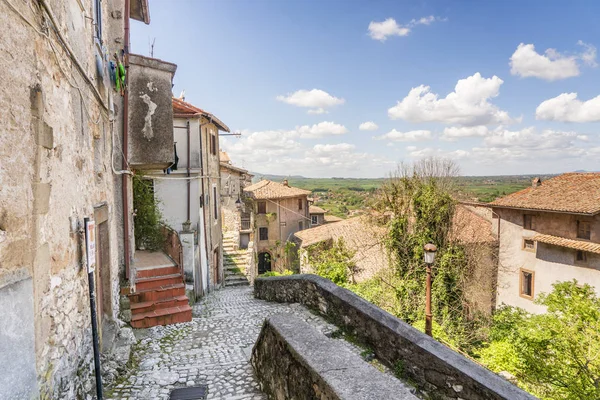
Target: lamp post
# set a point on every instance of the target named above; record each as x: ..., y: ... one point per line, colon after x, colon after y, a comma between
x: 430, y: 250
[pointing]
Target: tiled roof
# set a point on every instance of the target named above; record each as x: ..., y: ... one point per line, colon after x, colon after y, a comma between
x: 359, y: 235
x: 569, y: 243
x: 234, y: 168
x: 332, y: 218
x: 470, y: 227
x: 316, y: 210
x: 183, y: 109
x: 570, y: 193
x: 266, y: 189
x: 224, y: 157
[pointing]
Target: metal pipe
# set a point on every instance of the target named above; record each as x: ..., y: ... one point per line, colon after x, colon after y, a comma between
x: 428, y: 315
x: 189, y: 159
x: 125, y: 179
x: 94, y: 317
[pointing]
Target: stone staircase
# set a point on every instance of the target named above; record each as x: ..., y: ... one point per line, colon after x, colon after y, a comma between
x: 235, y: 262
x: 159, y: 297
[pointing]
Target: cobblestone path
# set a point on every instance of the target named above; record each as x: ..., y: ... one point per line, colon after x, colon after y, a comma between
x: 213, y: 349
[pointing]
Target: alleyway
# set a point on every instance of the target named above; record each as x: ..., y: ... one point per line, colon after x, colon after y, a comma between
x: 213, y: 349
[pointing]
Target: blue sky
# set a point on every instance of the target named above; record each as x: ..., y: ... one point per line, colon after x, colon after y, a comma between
x: 298, y: 78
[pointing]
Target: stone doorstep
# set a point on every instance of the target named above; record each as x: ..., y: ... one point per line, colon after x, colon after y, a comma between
x: 165, y: 316
x: 164, y: 292
x: 156, y: 271
x: 143, y: 307
x: 157, y: 281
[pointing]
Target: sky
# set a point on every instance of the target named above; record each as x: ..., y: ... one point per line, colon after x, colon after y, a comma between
x: 345, y: 88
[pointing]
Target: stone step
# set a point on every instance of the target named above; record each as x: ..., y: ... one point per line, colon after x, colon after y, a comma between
x: 164, y: 292
x: 152, y: 305
x: 156, y: 271
x: 163, y: 316
x: 157, y: 281
x: 237, y: 283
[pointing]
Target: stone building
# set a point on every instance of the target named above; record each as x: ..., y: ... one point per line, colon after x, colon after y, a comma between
x: 189, y: 191
x: 549, y: 232
x: 317, y: 215
x: 280, y: 211
x: 68, y: 137
x: 237, y: 220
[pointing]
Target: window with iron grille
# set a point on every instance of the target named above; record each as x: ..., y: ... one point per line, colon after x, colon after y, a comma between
x: 581, y: 256
x: 527, y: 282
x: 583, y: 230
x: 215, y: 205
x: 213, y: 144
x: 262, y: 207
x: 263, y: 233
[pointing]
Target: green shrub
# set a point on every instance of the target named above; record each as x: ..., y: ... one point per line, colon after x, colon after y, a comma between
x: 148, y: 218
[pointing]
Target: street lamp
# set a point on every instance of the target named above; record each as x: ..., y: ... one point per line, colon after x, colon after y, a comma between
x: 430, y: 250
x: 238, y: 204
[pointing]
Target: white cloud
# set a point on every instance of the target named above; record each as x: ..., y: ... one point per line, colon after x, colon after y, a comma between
x: 468, y: 105
x: 368, y: 126
x: 429, y: 152
x: 333, y: 148
x: 317, y: 111
x: 453, y: 133
x: 410, y: 136
x: 321, y: 129
x: 316, y: 99
x: 567, y: 108
x: 552, y: 65
x: 384, y: 29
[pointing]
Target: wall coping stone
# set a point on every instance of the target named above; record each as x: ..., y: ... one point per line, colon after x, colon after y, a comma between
x: 427, y: 361
x: 333, y: 367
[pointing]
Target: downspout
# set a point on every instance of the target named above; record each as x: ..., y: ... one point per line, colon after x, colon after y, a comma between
x: 204, y: 204
x: 189, y: 158
x: 124, y: 177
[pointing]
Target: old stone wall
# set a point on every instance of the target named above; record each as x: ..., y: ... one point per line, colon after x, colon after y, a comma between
x: 56, y: 141
x: 437, y: 369
x: 292, y: 360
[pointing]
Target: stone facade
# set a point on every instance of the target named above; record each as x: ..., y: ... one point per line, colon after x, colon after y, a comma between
x: 435, y: 368
x: 548, y: 263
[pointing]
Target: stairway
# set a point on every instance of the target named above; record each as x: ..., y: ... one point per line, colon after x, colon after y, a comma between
x: 159, y: 297
x: 235, y: 262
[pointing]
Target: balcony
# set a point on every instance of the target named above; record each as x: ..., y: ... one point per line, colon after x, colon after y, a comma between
x: 150, y: 113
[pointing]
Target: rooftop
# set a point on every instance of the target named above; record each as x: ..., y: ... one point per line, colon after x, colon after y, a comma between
x: 183, y: 109
x: 582, y: 245
x: 332, y: 218
x: 316, y: 210
x: 470, y: 227
x: 577, y: 193
x: 267, y: 189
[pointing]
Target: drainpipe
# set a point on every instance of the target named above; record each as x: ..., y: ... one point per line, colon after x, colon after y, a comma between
x: 124, y: 177
x: 189, y: 159
x: 208, y: 256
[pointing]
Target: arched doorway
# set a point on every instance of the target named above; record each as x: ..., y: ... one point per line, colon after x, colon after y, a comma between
x: 264, y: 263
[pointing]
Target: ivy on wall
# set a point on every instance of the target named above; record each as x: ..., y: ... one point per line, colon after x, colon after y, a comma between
x: 148, y: 218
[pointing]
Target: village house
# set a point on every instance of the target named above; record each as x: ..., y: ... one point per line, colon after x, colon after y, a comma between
x: 76, y: 128
x: 236, y: 218
x: 280, y: 211
x: 549, y: 232
x: 188, y: 194
x: 317, y: 215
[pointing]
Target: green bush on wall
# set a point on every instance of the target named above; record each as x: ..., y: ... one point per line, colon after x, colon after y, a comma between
x: 148, y: 218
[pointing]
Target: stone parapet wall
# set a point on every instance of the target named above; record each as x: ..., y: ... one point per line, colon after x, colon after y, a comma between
x: 292, y: 360
x: 435, y: 368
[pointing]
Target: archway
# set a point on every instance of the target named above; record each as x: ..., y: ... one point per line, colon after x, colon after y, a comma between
x: 264, y: 262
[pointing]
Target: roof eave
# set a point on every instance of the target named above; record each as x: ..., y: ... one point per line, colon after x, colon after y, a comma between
x: 589, y: 214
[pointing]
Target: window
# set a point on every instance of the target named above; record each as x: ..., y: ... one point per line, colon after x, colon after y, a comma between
x: 526, y: 283
x: 98, y: 20
x: 262, y: 207
x: 215, y: 205
x: 213, y: 144
x: 581, y: 256
x: 300, y: 204
x: 583, y: 230
x: 263, y: 233
x: 314, y: 219
x: 529, y: 221
x: 300, y: 225
x: 528, y: 244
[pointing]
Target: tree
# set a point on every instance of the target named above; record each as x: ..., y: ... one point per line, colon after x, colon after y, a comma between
x: 333, y: 261
x: 555, y: 355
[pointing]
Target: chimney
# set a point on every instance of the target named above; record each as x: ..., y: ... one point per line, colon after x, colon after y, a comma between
x: 286, y: 183
x: 536, y: 182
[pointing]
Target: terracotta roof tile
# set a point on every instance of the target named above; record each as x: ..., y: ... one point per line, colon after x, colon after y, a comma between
x: 470, y: 227
x: 183, y: 109
x: 332, y: 218
x: 569, y: 243
x: 570, y: 193
x: 316, y: 210
x: 266, y: 189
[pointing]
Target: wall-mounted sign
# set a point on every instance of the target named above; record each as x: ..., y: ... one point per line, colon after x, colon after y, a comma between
x: 90, y: 244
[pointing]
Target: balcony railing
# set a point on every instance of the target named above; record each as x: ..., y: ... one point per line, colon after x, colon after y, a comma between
x: 245, y: 224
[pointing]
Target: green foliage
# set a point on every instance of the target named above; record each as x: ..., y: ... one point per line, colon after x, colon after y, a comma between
x: 333, y: 262
x: 285, y: 272
x: 555, y: 355
x: 148, y: 218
